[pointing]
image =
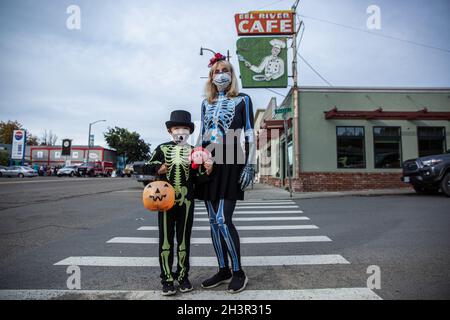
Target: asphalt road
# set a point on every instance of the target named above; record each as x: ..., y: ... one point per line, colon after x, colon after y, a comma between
x: 47, y: 224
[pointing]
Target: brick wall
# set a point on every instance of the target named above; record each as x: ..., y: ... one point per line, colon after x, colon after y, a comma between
x: 331, y: 181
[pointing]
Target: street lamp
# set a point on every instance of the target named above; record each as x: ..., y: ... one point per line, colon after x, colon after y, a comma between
x: 89, y: 137
x: 213, y: 52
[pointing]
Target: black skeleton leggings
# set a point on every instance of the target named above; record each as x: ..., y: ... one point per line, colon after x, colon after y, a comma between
x: 224, y: 235
x: 177, y: 221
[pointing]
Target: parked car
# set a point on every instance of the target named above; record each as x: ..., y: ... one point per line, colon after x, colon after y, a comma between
x: 2, y: 169
x: 71, y: 171
x: 98, y: 168
x: 141, y: 174
x: 128, y: 171
x: 19, y: 171
x: 428, y: 174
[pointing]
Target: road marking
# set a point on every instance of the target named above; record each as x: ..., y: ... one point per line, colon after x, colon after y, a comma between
x: 54, y: 180
x: 199, y: 213
x: 303, y: 294
x: 257, y: 240
x: 207, y: 228
x: 202, y: 204
x: 262, y: 219
x: 255, y: 261
x: 257, y: 207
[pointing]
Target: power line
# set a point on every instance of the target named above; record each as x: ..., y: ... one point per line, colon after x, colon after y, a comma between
x: 280, y: 94
x: 314, y: 70
x: 270, y: 4
x: 378, y: 34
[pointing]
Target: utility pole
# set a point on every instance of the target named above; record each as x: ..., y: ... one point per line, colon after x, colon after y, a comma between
x: 89, y: 138
x: 295, y: 125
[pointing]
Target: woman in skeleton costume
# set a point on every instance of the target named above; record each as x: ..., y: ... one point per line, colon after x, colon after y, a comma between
x: 226, y: 113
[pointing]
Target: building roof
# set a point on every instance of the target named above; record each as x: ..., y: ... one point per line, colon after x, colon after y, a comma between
x: 375, y: 89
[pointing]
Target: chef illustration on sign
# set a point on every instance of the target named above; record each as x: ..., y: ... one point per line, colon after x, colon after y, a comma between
x: 273, y: 66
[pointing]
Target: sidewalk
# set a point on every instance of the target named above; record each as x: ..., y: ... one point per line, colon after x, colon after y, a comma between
x: 267, y: 192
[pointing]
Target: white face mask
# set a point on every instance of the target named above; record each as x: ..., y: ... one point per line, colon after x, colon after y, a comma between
x: 222, y: 81
x: 180, y: 136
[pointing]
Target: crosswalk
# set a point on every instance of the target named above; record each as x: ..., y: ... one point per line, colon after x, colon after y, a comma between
x: 270, y: 220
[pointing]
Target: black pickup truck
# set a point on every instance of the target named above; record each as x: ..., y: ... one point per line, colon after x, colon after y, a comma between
x: 140, y: 173
x: 428, y: 174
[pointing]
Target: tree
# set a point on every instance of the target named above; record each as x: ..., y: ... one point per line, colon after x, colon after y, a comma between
x: 128, y: 144
x: 48, y: 138
x: 7, y: 130
x: 32, y: 140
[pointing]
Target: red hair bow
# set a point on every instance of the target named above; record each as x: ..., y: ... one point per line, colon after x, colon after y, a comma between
x: 216, y: 58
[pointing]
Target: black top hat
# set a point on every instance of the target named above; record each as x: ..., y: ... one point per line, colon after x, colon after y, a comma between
x: 180, y: 118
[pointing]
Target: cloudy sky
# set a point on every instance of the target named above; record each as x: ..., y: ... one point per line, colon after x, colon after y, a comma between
x: 134, y: 61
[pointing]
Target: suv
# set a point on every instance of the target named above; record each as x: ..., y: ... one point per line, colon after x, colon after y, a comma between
x: 428, y: 174
x: 71, y: 171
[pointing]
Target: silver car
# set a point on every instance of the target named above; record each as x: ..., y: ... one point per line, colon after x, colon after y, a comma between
x: 19, y: 171
x: 68, y: 171
x: 2, y: 169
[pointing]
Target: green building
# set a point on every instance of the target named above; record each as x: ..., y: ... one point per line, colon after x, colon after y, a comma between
x: 351, y: 138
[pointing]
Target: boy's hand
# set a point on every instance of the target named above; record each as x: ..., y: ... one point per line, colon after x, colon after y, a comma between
x: 162, y: 169
x: 208, y: 166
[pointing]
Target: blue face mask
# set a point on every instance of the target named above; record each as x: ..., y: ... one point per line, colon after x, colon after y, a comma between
x: 222, y: 81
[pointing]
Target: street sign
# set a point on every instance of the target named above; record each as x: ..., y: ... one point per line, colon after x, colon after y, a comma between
x: 263, y: 62
x: 18, y: 144
x: 258, y: 23
x: 66, y: 146
x: 283, y: 110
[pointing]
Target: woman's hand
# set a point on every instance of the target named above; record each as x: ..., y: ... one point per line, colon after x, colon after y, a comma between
x: 208, y: 166
x: 247, y: 175
x: 162, y: 169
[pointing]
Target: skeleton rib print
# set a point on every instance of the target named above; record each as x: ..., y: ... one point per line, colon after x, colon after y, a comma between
x: 177, y: 159
x: 219, y: 116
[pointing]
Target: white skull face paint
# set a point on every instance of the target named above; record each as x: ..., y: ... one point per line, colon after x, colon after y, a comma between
x: 180, y: 135
x: 222, y: 81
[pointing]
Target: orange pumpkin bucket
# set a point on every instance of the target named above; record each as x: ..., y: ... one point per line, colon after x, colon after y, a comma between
x: 158, y: 196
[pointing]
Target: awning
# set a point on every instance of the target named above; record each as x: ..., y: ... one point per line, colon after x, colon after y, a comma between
x: 379, y: 114
x: 275, y: 124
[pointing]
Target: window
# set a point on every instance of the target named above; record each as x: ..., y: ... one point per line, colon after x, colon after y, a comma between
x: 350, y: 147
x: 431, y: 140
x: 387, y: 147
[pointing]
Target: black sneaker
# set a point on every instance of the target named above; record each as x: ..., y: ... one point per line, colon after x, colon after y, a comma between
x: 223, y: 276
x: 238, y: 282
x: 168, y: 289
x: 185, y: 285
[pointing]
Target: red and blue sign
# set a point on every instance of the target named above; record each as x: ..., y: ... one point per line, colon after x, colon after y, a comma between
x: 18, y: 135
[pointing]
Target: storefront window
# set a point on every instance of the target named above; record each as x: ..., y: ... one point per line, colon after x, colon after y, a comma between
x: 387, y: 147
x: 350, y: 147
x: 431, y: 140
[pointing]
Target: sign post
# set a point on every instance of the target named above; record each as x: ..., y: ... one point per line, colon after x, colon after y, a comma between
x: 18, y: 145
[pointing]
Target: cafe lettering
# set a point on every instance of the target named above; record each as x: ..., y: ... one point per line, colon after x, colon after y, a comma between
x: 265, y: 23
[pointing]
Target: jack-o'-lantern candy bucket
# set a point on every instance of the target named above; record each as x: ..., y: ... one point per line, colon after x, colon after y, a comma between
x: 158, y: 196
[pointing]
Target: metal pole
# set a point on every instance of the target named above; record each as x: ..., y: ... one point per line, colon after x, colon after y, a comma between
x: 286, y: 153
x: 89, y: 143
x: 295, y: 133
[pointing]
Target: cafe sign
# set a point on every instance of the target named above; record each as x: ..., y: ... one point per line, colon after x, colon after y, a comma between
x: 258, y: 23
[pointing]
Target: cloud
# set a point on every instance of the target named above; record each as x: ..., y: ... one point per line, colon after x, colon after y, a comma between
x: 134, y: 61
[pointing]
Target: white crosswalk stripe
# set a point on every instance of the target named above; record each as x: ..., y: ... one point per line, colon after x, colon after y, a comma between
x: 243, y: 240
x: 200, y: 213
x: 207, y: 228
x: 204, y: 261
x: 267, y: 217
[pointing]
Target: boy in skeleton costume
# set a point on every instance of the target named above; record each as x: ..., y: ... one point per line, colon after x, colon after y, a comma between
x: 225, y: 114
x: 171, y: 162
